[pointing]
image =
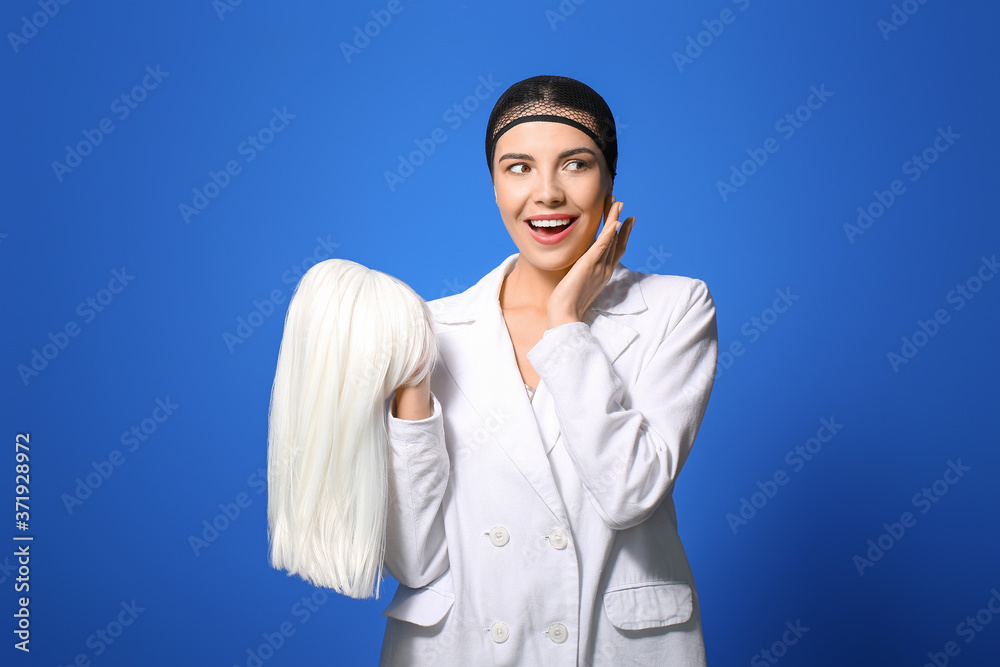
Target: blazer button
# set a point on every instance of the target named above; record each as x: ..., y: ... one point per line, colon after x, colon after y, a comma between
x: 557, y: 538
x: 499, y: 632
x: 499, y: 536
x: 558, y: 633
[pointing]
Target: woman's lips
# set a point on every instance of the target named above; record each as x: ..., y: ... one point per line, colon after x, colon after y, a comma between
x: 550, y: 235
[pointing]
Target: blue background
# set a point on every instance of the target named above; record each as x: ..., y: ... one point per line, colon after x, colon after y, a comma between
x: 351, y: 118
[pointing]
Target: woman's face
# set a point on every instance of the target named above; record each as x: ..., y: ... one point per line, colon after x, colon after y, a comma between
x: 556, y: 171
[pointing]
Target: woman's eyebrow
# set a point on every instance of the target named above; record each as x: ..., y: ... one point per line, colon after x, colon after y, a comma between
x: 525, y: 156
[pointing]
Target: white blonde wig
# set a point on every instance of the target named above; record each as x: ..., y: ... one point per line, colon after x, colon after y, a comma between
x: 352, y: 335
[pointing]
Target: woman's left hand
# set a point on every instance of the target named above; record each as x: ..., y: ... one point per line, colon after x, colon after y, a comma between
x: 589, y: 275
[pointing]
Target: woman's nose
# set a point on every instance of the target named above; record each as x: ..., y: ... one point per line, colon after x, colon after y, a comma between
x: 548, y: 189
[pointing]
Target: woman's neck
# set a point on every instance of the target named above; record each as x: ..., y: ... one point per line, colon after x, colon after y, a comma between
x: 528, y: 287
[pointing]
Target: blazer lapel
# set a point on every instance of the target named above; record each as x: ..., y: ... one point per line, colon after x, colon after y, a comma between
x: 475, y: 346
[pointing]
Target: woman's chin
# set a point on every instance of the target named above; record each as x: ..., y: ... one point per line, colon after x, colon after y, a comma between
x: 550, y: 259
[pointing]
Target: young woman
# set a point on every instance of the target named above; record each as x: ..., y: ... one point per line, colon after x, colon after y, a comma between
x: 531, y: 518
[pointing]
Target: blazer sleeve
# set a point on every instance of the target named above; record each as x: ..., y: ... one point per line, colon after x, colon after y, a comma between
x: 628, y: 459
x: 415, y: 549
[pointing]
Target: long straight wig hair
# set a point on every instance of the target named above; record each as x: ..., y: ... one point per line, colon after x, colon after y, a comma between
x: 352, y: 336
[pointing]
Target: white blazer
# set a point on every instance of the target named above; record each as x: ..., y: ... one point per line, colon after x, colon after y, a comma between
x: 544, y: 532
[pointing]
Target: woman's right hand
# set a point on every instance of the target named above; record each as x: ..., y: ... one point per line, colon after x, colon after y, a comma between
x: 413, y: 402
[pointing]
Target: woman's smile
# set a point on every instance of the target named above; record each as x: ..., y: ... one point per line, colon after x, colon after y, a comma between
x: 550, y: 229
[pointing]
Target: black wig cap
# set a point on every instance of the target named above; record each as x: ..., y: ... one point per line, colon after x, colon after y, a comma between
x: 558, y: 99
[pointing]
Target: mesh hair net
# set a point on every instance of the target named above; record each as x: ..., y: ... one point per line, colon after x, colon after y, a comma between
x: 557, y: 99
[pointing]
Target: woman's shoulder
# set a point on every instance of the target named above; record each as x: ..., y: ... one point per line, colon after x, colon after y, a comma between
x: 663, y: 289
x: 669, y: 282
x: 470, y: 303
x: 675, y: 303
x: 455, y: 308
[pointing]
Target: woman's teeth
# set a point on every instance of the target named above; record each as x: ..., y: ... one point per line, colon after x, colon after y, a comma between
x: 551, y: 223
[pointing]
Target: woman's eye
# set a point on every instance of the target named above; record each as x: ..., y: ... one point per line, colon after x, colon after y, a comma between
x: 572, y: 165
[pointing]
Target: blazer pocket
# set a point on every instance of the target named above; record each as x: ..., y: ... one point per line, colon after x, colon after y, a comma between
x: 421, y: 606
x: 648, y: 605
